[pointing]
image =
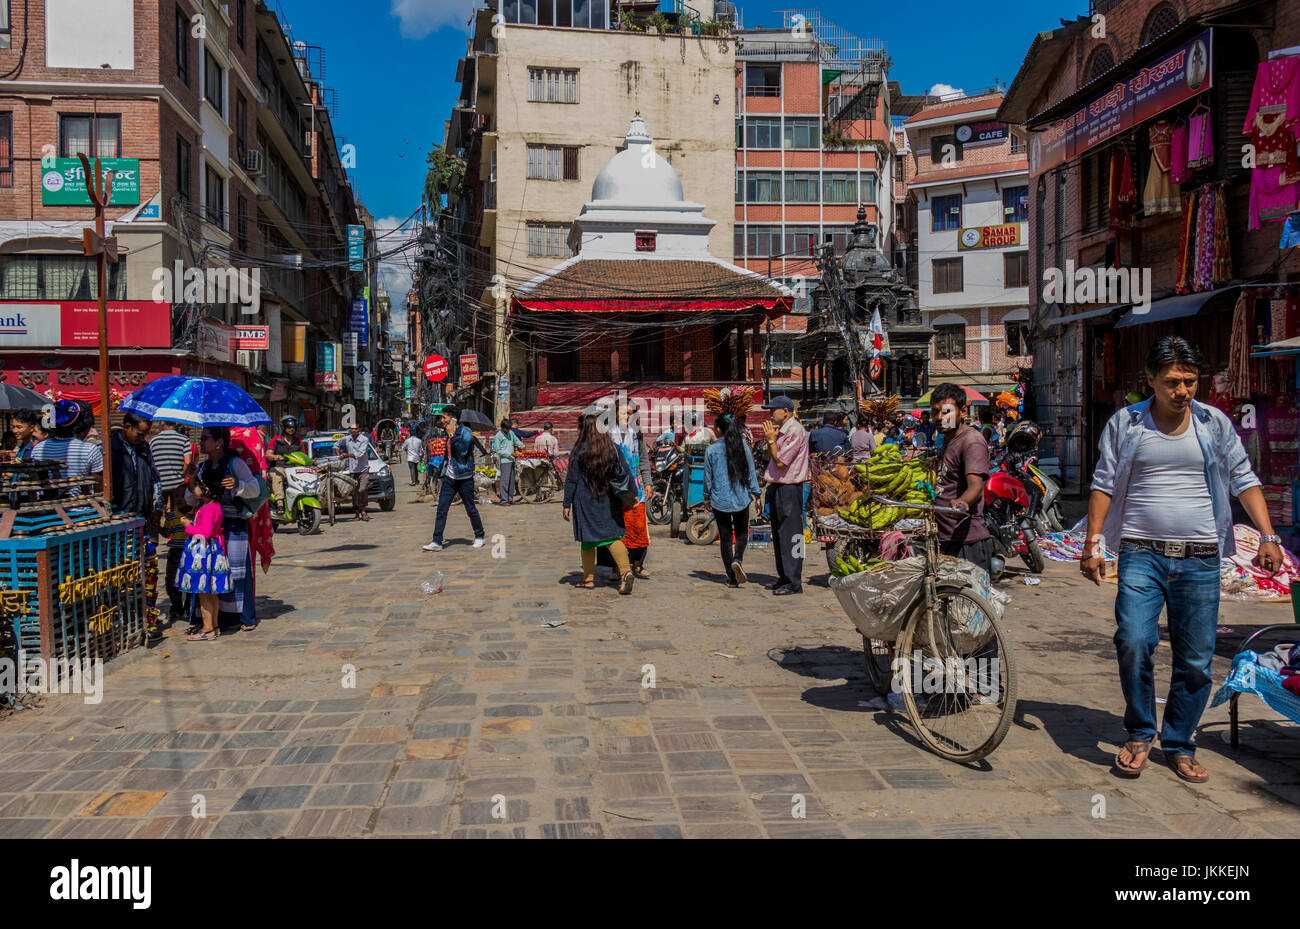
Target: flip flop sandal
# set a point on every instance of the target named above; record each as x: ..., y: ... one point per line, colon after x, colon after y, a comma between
x: 586, y: 585
x: 626, y: 587
x: 204, y: 637
x: 1139, y: 751
x: 1187, y: 772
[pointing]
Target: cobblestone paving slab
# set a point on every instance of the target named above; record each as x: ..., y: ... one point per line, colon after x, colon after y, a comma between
x: 364, y: 707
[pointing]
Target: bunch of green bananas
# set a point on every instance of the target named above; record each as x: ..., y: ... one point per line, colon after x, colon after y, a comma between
x: 850, y: 565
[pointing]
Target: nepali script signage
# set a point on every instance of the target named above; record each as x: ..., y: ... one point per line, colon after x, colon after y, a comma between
x: 1180, y: 75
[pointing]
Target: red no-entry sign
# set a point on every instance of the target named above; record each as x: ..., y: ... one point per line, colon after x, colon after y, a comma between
x: 435, y: 368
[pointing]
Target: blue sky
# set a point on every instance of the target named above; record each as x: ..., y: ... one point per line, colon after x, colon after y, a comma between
x: 393, y: 67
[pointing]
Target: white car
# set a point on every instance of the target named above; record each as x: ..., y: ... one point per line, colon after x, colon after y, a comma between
x: 322, y: 446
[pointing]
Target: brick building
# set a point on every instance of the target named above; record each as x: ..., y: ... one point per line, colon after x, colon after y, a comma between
x: 968, y: 182
x: 1111, y: 91
x: 178, y: 93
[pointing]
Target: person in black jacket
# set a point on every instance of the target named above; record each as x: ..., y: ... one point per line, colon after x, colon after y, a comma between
x: 597, y: 515
x: 136, y: 484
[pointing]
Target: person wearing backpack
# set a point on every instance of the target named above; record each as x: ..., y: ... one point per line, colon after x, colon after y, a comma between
x: 223, y: 468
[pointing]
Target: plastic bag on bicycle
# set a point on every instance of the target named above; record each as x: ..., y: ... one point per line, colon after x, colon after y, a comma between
x: 878, y: 601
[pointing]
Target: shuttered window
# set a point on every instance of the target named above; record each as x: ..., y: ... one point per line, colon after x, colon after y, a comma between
x: 553, y: 162
x: 947, y: 275
x: 552, y: 85
x: 548, y: 240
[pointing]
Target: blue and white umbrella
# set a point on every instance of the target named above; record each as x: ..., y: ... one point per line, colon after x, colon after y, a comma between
x: 198, y: 401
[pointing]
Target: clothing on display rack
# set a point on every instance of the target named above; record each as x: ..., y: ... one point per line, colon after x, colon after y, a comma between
x: 1276, y: 90
x: 1271, y: 123
x: 1271, y: 197
x: 1291, y: 231
x: 1200, y: 141
x: 1178, y: 170
x: 1186, y: 245
x: 1123, y: 202
x: 1159, y: 195
x: 1222, y: 246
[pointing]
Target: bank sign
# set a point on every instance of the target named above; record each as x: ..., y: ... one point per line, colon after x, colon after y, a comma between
x: 1176, y: 76
x: 75, y: 324
x: 64, y: 184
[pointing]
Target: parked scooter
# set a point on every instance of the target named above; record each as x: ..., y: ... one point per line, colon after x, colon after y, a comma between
x: 301, y: 506
x: 1044, y: 492
x: 667, y: 465
x: 1006, y: 514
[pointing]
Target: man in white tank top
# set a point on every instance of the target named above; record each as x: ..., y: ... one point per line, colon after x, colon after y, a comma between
x: 1161, y: 495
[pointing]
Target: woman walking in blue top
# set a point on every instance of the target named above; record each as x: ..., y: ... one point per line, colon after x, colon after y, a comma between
x: 730, y: 486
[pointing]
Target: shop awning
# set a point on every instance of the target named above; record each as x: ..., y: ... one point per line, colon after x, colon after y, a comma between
x: 1284, y: 347
x: 1088, y: 314
x: 1171, y: 308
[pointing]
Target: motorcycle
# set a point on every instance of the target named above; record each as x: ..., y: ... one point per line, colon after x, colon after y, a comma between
x: 1006, y: 514
x: 667, y: 465
x: 1021, y: 460
x: 301, y: 507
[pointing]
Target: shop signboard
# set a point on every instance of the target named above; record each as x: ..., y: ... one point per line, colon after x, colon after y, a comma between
x: 64, y: 183
x: 252, y: 338
x: 989, y: 236
x: 349, y: 349
x: 468, y: 370
x: 1176, y: 76
x: 356, y: 248
x: 359, y: 321
x: 75, y: 324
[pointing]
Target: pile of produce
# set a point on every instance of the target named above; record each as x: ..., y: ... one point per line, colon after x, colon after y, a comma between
x: 834, y: 487
x: 850, y: 565
x: 486, y: 471
x: 887, y: 474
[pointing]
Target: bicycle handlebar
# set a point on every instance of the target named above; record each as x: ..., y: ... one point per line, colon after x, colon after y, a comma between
x: 919, y: 506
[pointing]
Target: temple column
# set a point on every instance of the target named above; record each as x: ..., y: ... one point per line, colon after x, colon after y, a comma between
x: 740, y: 351
x: 756, y: 349
x: 541, y: 369
x: 686, y: 353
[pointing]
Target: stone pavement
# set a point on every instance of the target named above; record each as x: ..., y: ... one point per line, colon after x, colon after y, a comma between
x: 468, y: 717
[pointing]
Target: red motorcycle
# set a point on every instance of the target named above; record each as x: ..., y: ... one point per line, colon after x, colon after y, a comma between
x: 1007, y: 516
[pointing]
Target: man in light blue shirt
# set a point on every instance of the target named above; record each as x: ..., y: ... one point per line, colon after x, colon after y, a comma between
x: 356, y: 447
x: 504, y: 444
x: 1160, y: 495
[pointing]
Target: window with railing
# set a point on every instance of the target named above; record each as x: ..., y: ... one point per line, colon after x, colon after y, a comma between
x: 945, y: 213
x: 548, y: 240
x: 58, y: 277
x: 762, y: 80
x: 1015, y: 205
x: 553, y: 162
x: 552, y: 85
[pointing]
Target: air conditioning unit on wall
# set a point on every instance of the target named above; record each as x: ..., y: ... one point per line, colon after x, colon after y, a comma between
x: 253, y: 165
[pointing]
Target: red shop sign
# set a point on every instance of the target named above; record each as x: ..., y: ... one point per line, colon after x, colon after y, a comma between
x: 435, y: 368
x: 75, y: 324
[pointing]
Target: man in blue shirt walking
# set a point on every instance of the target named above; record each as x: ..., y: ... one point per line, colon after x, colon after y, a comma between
x: 457, y: 479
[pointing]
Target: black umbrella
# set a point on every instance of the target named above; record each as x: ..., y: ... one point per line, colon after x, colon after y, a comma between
x: 13, y: 397
x: 474, y: 418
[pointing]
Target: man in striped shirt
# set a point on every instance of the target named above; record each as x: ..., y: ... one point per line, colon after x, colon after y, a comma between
x: 171, y: 456
x: 67, y: 444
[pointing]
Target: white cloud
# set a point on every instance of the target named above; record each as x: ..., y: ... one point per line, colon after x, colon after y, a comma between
x: 946, y: 90
x: 421, y: 17
x: 395, y: 272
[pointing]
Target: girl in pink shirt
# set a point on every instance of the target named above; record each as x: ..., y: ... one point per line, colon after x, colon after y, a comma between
x: 204, y: 570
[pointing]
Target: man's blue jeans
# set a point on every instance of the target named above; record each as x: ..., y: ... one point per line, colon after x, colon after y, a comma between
x: 450, y: 487
x: 1189, y: 589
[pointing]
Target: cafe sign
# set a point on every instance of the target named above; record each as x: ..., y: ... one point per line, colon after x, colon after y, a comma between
x: 989, y: 236
x: 64, y: 182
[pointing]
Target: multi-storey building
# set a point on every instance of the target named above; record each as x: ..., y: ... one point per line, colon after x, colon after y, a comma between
x: 195, y: 107
x: 544, y: 105
x: 1159, y: 96
x: 968, y: 180
x: 813, y: 143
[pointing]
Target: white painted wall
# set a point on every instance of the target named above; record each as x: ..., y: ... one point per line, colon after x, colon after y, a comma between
x: 983, y: 272
x: 90, y: 34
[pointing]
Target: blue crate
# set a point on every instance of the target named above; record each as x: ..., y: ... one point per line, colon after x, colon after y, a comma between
x: 77, y: 554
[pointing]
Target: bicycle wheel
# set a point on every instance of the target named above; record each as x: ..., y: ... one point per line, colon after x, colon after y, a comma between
x: 960, y: 689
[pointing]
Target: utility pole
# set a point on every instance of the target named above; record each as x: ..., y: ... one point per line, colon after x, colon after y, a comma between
x: 104, y: 250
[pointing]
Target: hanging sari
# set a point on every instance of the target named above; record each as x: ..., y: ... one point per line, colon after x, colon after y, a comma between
x: 249, y: 445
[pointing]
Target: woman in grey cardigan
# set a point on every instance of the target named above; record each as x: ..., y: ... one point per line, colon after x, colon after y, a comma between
x: 595, y: 512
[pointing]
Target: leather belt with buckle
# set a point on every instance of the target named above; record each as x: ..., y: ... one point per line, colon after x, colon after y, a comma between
x: 1176, y: 549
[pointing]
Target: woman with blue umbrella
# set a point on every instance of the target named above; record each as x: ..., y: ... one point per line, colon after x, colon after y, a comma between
x: 215, y: 406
